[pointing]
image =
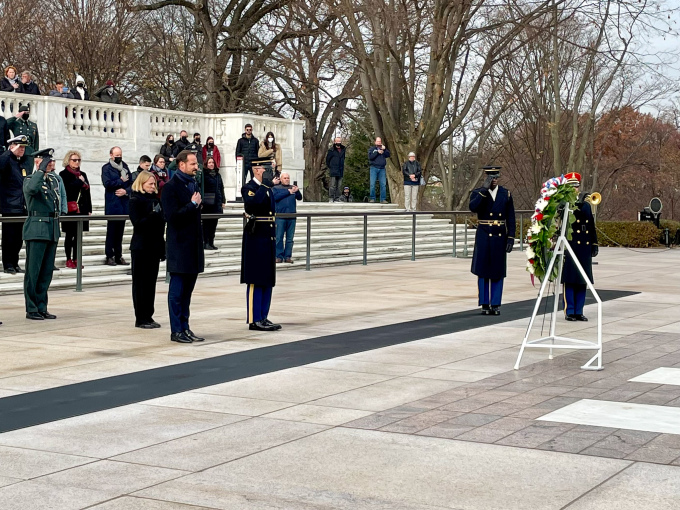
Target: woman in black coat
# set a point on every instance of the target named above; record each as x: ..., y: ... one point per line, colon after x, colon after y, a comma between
x: 79, y: 202
x: 147, y: 247
x: 168, y: 148
x: 213, y: 201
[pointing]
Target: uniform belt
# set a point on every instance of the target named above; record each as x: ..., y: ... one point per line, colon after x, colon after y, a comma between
x: 268, y: 219
x: 496, y: 223
x: 44, y: 214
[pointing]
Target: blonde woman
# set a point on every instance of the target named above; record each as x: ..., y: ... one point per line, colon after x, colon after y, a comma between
x: 147, y: 247
x: 78, y: 202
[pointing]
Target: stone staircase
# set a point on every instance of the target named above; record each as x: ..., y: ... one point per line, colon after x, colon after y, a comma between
x: 334, y: 241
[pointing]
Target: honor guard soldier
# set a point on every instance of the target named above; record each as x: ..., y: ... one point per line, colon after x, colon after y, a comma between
x: 21, y: 126
x: 494, y: 239
x: 41, y: 233
x: 258, y: 265
x: 584, y: 243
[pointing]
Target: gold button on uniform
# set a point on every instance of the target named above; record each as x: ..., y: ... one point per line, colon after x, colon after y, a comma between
x: 490, y: 235
x: 579, y: 242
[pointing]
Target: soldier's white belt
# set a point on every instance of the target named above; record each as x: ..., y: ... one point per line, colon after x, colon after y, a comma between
x: 268, y: 219
x: 493, y: 223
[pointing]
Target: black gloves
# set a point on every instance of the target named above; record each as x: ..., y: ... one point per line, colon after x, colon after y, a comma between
x: 510, y: 245
x: 487, y: 182
x: 594, y: 250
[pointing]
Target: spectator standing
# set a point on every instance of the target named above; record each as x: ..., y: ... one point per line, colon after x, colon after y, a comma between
x: 107, y: 93
x: 210, y: 150
x: 335, y: 161
x: 61, y: 90
x: 41, y: 233
x: 168, y: 149
x: 11, y: 82
x: 117, y: 181
x: 181, y: 144
x: 147, y: 247
x: 214, y: 201
x: 377, y: 157
x: 181, y: 204
x: 28, y: 86
x: 346, y: 195
x: 247, y: 146
x: 269, y: 149
x: 198, y: 149
x: 159, y: 171
x: 285, y: 197
x: 413, y: 172
x: 80, y: 92
x: 144, y: 164
x: 12, y: 202
x: 21, y: 125
x: 79, y: 203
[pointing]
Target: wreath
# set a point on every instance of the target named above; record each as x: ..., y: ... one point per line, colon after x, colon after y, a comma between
x: 546, y: 225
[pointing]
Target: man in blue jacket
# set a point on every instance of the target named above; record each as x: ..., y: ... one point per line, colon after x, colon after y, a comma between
x: 285, y: 197
x: 377, y: 158
x: 117, y: 181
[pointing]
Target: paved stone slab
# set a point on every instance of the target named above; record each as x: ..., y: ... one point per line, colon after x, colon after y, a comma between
x: 663, y: 375
x: 218, y: 403
x: 24, y: 463
x: 135, y: 503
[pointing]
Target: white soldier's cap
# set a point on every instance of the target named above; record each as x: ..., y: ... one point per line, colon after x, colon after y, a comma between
x: 18, y: 140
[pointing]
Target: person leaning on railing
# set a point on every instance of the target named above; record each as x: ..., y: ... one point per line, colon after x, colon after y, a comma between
x: 79, y: 203
x: 147, y: 247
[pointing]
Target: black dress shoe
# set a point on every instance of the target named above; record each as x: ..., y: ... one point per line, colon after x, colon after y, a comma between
x: 269, y: 323
x: 213, y: 247
x: 494, y: 311
x: 570, y: 318
x: 190, y: 334
x: 10, y: 270
x: 144, y: 325
x: 581, y: 318
x: 19, y: 270
x: 154, y: 324
x: 47, y: 315
x: 260, y: 326
x: 122, y: 262
x: 485, y: 309
x: 181, y: 338
x: 110, y: 261
x: 34, y: 316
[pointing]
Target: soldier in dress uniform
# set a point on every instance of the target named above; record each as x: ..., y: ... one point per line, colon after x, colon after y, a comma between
x: 41, y: 233
x: 258, y: 265
x: 494, y: 239
x: 584, y: 243
x: 21, y: 126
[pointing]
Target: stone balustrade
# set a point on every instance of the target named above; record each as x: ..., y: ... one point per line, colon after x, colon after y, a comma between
x: 94, y: 127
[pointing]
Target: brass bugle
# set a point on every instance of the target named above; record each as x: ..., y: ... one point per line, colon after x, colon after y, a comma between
x: 594, y: 198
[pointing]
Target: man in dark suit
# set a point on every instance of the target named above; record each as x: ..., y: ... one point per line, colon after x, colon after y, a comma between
x: 184, y: 241
x: 258, y: 266
x: 117, y: 181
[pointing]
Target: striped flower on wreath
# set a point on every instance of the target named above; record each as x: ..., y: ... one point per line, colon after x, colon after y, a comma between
x: 546, y: 223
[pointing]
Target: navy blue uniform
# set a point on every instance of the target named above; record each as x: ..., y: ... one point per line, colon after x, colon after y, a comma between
x: 583, y: 238
x: 496, y: 226
x: 258, y: 265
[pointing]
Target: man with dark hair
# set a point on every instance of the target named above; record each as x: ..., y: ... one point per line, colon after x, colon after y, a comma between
x: 117, y: 181
x: 181, y: 202
x: 198, y: 147
x: 61, y: 90
x: 182, y: 143
x: 144, y: 164
x: 247, y: 147
x: 12, y: 202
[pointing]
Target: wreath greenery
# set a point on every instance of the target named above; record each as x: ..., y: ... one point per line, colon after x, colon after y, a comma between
x: 546, y: 224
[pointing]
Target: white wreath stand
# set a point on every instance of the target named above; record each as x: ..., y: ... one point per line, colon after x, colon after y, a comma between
x: 560, y: 342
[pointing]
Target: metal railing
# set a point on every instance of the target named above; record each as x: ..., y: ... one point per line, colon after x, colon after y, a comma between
x: 466, y: 215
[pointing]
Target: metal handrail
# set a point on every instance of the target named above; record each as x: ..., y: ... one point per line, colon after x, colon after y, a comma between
x: 308, y: 215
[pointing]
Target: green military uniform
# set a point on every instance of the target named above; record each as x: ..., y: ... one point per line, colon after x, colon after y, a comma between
x: 41, y: 233
x: 30, y: 129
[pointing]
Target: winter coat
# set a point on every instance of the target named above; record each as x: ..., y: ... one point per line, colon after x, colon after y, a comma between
x: 411, y: 168
x: 248, y: 148
x: 213, y: 192
x: 148, y: 224
x: 167, y: 151
x: 376, y: 159
x: 258, y: 248
x: 76, y: 192
x: 112, y: 182
x: 179, y: 146
x: 583, y: 238
x: 264, y: 153
x: 212, y: 153
x: 6, y: 86
x: 30, y: 88
x: 11, y: 184
x: 335, y: 161
x: 64, y: 95
x: 4, y: 132
x: 105, y: 97
x: 285, y: 201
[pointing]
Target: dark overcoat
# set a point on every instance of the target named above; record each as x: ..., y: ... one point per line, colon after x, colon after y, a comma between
x: 489, y: 257
x: 258, y: 252
x: 112, y: 182
x: 184, y: 237
x: 583, y: 238
x: 147, y: 219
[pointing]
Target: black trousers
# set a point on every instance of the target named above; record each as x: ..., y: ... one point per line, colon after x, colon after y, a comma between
x: 70, y: 230
x: 179, y: 300
x: 144, y: 278
x: 11, y: 241
x: 209, y: 228
x: 114, y: 238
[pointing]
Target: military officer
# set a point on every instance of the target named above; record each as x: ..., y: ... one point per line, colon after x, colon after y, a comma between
x: 41, y: 233
x: 584, y: 243
x: 494, y: 239
x: 20, y: 125
x: 258, y: 265
x: 12, y: 201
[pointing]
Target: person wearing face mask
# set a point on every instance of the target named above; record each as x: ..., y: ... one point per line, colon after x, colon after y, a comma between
x: 213, y: 201
x: 181, y: 144
x: 117, y: 181
x: 107, y: 93
x: 41, y: 233
x: 269, y: 149
x: 20, y: 125
x: 168, y: 149
x: 335, y: 161
x: 210, y: 150
x: 11, y: 82
x: 80, y: 92
x: 197, y: 147
x: 159, y: 172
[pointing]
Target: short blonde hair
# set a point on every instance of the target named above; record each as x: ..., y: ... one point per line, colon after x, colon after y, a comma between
x: 67, y: 158
x: 141, y: 179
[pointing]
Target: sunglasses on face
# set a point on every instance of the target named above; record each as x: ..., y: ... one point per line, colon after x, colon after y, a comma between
x: 75, y: 159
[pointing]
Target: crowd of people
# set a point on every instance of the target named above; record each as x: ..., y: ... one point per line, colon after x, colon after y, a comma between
x: 23, y: 83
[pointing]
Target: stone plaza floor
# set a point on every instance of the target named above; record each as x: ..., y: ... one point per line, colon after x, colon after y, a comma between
x: 426, y: 421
